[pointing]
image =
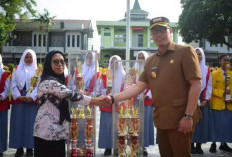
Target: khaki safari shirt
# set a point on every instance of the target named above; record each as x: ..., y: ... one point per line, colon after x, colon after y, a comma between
x: 170, y: 86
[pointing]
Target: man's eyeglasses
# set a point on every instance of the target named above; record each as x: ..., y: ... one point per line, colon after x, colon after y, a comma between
x: 159, y: 30
x: 57, y: 62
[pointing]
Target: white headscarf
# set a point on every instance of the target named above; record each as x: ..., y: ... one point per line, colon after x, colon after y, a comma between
x: 24, y: 73
x: 140, y: 67
x: 204, y: 69
x: 89, y: 70
x: 119, y: 74
x: 1, y: 67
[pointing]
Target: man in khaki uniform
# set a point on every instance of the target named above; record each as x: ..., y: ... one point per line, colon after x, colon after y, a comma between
x: 173, y: 74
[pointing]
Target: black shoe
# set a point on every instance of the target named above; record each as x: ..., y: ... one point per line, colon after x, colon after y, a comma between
x: 29, y: 152
x: 145, y: 153
x: 198, y: 149
x: 193, y: 149
x: 225, y: 147
x: 19, y: 152
x: 1, y: 154
x: 213, y: 148
x: 107, y: 152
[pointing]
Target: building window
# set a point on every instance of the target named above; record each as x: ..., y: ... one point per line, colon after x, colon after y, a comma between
x: 57, y: 39
x: 40, y: 40
x: 120, y: 38
x: 107, y: 34
x: 35, y: 40
x: 78, y: 40
x: 73, y: 40
x: 44, y: 40
x: 140, y: 40
x: 68, y: 41
x: 23, y: 38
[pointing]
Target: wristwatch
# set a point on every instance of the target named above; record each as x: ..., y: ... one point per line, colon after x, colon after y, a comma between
x: 188, y: 116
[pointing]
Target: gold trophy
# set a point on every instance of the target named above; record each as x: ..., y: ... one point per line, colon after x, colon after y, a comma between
x: 109, y: 78
x: 121, y: 123
x: 74, y: 131
x: 79, y: 81
x: 81, y: 112
x: 227, y: 82
x: 34, y: 79
x: 89, y: 132
x: 121, y: 144
x: 134, y: 146
x: 135, y: 123
x: 89, y: 127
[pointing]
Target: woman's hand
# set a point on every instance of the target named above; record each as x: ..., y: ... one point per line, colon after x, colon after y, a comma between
x: 108, y: 91
x: 28, y: 99
x: 102, y: 101
x: 21, y: 98
x: 204, y: 103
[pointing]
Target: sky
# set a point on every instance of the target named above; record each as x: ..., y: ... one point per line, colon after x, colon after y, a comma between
x: 110, y: 10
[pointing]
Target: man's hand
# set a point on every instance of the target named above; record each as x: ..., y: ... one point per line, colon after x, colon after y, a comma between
x: 185, y: 125
x: 102, y: 101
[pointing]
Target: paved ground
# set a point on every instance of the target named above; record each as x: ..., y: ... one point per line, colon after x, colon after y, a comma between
x: 152, y: 150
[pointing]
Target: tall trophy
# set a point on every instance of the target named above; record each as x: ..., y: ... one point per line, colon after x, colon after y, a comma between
x: 74, y: 131
x: 227, y: 83
x: 122, y: 126
x: 109, y: 78
x: 89, y: 132
x: 134, y: 128
x: 34, y: 79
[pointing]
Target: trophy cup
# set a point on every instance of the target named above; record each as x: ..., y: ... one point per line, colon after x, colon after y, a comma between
x: 227, y: 82
x: 121, y: 126
x: 109, y: 78
x: 74, y: 132
x: 89, y: 131
x: 134, y: 123
x: 34, y: 79
x: 79, y: 81
x: 121, y: 144
x: 134, y: 128
x: 134, y: 145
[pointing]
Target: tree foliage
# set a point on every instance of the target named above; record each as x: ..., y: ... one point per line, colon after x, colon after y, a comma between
x: 45, y: 18
x: 206, y: 19
x: 9, y: 11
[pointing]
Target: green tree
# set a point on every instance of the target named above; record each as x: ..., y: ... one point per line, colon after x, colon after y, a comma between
x: 10, y: 10
x: 206, y: 19
x: 45, y: 20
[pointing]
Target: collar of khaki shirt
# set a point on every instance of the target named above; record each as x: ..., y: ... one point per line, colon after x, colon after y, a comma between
x: 171, y: 48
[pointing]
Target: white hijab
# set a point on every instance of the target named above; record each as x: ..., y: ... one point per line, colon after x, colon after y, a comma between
x: 204, y: 69
x: 1, y: 67
x: 119, y: 74
x: 140, y: 67
x: 24, y: 73
x: 89, y: 70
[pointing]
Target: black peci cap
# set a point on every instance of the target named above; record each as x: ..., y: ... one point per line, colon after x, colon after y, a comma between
x: 159, y: 21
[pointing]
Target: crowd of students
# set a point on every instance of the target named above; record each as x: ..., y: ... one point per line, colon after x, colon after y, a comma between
x: 25, y: 131
x: 36, y: 123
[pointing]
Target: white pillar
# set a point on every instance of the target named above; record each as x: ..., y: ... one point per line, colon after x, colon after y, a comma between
x: 128, y: 31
